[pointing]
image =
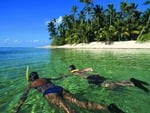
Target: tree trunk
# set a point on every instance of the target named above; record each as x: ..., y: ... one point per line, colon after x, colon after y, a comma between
x: 143, y: 29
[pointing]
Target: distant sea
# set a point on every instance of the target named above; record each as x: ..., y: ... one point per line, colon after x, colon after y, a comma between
x: 116, y: 64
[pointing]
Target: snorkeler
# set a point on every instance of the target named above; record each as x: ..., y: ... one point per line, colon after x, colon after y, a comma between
x: 56, y: 95
x: 102, y: 81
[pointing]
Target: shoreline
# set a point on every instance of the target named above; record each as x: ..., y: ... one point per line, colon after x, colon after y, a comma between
x: 102, y: 45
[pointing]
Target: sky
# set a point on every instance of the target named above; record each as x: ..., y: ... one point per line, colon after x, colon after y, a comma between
x: 23, y: 23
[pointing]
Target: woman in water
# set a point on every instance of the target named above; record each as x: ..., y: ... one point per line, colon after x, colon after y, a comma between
x: 101, y: 81
x: 56, y: 95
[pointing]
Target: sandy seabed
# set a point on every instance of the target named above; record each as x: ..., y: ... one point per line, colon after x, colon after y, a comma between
x: 102, y: 45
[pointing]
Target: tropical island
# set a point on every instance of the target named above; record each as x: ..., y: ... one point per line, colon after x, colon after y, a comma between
x: 95, y: 25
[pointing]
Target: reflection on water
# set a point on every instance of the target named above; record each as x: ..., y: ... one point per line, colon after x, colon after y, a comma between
x: 116, y: 64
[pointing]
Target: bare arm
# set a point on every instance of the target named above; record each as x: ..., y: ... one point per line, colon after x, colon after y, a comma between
x: 22, y: 99
x: 58, y: 78
x: 87, y: 70
x: 83, y: 73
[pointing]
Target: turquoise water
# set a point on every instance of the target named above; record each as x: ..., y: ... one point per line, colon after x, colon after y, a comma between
x: 117, y: 64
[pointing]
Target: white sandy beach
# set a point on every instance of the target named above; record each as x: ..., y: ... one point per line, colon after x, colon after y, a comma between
x: 100, y: 45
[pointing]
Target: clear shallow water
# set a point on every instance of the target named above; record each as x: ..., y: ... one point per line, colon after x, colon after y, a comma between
x: 115, y: 65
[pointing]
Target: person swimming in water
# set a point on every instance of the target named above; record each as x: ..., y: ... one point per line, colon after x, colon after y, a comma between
x: 102, y: 81
x: 57, y: 95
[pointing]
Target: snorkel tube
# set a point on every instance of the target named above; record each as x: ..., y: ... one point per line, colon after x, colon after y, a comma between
x: 27, y: 73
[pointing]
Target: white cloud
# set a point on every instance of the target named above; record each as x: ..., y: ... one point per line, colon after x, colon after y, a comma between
x: 59, y: 20
x: 35, y: 41
x: 18, y: 41
x: 6, y: 40
x: 11, y: 42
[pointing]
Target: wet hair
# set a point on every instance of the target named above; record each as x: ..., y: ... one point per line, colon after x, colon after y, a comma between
x: 72, y: 67
x: 33, y: 76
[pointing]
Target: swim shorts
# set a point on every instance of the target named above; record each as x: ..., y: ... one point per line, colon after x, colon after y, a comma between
x: 56, y: 89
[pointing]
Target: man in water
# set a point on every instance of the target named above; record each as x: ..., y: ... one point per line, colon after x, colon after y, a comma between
x: 101, y: 81
x: 57, y: 95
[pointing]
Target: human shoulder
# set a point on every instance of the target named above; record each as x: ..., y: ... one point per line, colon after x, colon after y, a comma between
x: 87, y: 70
x: 39, y: 82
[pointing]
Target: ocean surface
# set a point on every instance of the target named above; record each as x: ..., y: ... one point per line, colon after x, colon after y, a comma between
x: 116, y: 65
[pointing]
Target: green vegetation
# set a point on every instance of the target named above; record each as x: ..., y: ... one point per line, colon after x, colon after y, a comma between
x: 93, y: 23
x: 144, y: 38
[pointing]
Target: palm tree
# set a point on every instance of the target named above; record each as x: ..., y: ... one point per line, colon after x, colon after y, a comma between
x: 52, y: 29
x: 74, y: 10
x: 147, y: 2
x: 68, y: 27
x: 88, y: 9
x: 111, y: 13
x: 86, y: 2
x: 148, y: 21
x: 98, y: 16
x: 130, y: 18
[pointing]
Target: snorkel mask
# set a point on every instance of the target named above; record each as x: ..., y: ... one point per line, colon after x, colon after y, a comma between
x: 33, y: 76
